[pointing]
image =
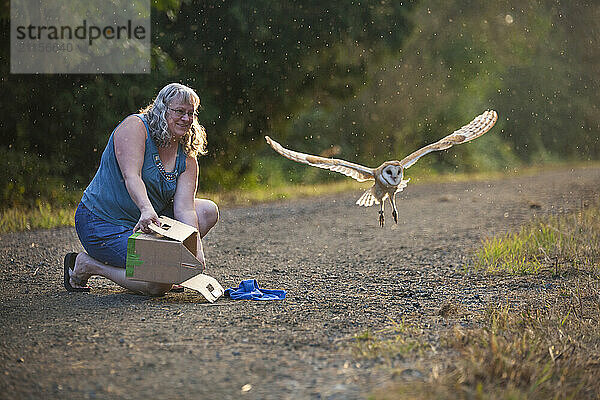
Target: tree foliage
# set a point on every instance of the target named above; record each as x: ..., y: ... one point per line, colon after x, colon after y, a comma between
x: 367, y: 81
x: 536, y: 63
x: 253, y: 64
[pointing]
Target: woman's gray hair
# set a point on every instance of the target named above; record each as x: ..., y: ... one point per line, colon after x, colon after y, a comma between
x: 194, y: 141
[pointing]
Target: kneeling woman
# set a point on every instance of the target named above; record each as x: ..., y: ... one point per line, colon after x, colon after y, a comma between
x: 148, y: 168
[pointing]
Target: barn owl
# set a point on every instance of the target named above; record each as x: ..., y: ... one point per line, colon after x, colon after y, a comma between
x: 388, y: 176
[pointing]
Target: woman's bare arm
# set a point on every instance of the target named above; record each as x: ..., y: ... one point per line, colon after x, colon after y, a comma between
x: 130, y: 144
x: 184, y: 202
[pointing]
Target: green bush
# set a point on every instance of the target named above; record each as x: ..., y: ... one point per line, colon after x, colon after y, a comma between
x: 27, y: 180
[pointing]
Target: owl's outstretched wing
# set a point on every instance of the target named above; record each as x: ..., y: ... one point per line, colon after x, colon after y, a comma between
x: 480, y: 125
x: 356, y: 171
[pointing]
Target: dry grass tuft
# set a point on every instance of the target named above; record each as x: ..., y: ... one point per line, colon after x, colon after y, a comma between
x: 401, y: 339
x: 448, y: 309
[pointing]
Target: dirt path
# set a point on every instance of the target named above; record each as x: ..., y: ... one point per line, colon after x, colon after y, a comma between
x: 343, y: 274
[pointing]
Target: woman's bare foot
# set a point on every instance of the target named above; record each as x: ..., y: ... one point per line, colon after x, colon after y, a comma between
x: 86, y: 266
x: 79, y: 275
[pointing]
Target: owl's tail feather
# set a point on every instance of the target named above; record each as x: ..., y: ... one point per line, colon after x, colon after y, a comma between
x: 367, y: 199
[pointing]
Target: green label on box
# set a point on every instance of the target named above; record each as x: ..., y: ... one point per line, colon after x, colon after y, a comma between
x: 133, y: 259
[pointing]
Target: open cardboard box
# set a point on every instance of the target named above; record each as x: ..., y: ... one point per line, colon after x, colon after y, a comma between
x: 168, y: 256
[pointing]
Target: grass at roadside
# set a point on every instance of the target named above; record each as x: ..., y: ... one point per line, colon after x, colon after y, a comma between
x: 557, y: 243
x: 548, y: 348
x: 45, y: 215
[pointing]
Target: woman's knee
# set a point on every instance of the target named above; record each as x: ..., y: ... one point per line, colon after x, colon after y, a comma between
x: 207, y: 211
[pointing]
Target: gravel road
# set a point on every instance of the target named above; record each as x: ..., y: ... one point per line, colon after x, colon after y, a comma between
x: 343, y: 275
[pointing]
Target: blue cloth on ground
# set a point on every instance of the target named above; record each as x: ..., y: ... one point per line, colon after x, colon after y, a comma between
x: 249, y: 290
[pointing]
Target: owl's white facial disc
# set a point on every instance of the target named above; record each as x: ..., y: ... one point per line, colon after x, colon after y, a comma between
x: 392, y: 175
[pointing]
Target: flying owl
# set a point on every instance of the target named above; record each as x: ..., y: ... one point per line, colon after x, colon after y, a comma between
x: 388, y: 176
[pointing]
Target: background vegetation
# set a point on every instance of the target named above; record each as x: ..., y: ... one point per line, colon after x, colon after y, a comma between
x: 368, y: 81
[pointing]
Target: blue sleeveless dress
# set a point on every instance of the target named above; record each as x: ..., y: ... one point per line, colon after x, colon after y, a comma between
x: 106, y: 214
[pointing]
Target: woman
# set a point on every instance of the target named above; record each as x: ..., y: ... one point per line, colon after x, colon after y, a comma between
x: 147, y: 169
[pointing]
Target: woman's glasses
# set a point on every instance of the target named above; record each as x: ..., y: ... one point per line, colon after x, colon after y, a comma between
x: 180, y: 113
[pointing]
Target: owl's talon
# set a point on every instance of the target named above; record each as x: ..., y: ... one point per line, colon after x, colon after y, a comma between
x: 381, y: 218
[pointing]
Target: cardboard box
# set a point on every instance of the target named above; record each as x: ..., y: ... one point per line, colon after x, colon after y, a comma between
x: 168, y: 256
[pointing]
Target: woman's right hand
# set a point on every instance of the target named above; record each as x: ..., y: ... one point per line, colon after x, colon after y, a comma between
x: 147, y: 217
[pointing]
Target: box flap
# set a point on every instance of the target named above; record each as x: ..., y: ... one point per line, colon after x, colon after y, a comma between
x: 206, y: 285
x: 191, y: 243
x: 173, y: 229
